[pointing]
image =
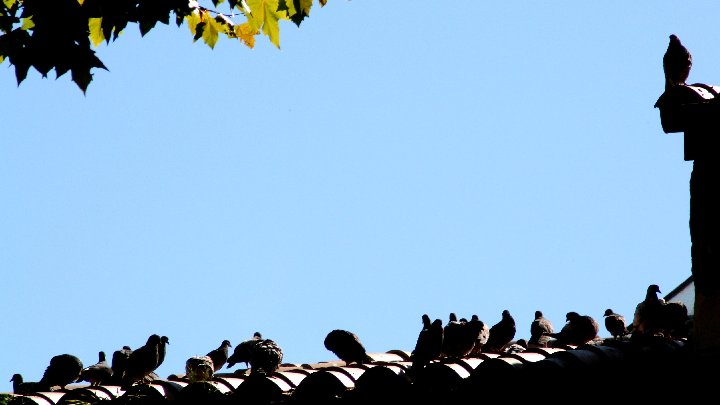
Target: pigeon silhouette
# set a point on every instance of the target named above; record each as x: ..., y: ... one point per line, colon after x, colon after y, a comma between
x: 347, y: 346
x: 538, y: 327
x: 142, y: 362
x: 428, y: 345
x: 615, y: 324
x: 63, y: 370
x: 119, y: 362
x: 219, y: 356
x: 578, y: 330
x: 241, y: 354
x: 501, y: 333
x: 265, y: 357
x: 22, y: 387
x: 97, y: 374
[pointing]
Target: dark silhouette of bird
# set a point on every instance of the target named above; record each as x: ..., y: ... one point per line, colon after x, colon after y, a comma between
x: 219, y: 356
x: 63, y: 370
x: 162, y: 349
x: 615, y: 324
x: 539, y: 327
x: 452, y: 336
x: 265, y: 357
x: 21, y: 387
x: 675, y: 321
x: 97, y: 374
x: 481, y: 332
x: 578, y: 330
x: 142, y: 362
x: 347, y: 346
x: 648, y: 312
x: 517, y: 346
x: 241, y: 354
x: 118, y: 364
x: 429, y: 343
x: 199, y: 368
x: 501, y: 333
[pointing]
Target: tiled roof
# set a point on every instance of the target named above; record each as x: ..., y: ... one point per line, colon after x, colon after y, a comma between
x: 565, y: 370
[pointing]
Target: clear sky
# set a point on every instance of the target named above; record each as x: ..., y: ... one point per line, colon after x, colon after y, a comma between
x: 391, y: 159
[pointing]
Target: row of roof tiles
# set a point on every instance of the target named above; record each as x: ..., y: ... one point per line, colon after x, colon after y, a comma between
x: 388, y: 379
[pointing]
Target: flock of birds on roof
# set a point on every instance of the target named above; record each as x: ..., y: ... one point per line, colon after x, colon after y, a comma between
x: 457, y: 338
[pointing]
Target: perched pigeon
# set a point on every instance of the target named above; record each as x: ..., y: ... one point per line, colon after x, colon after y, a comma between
x: 199, y: 368
x: 483, y: 334
x: 428, y: 345
x: 347, y: 346
x: 97, y: 374
x: 501, y: 333
x: 452, y: 336
x: 241, y: 354
x: 615, y: 324
x: 675, y: 321
x: 578, y: 330
x: 63, y: 370
x: 119, y: 362
x: 517, y: 346
x: 648, y: 314
x: 21, y: 387
x: 265, y: 357
x: 219, y: 356
x: 162, y: 349
x: 142, y: 362
x: 539, y: 327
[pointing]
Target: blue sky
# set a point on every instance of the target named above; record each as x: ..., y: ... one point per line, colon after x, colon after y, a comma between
x: 389, y: 160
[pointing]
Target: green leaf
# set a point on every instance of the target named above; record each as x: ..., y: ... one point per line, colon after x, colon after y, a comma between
x: 210, y: 34
x: 96, y: 31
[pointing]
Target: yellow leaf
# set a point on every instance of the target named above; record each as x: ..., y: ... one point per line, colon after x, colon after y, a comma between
x: 194, y: 19
x: 305, y: 6
x: 96, y: 32
x: 2, y: 58
x: 322, y: 2
x: 246, y: 34
x: 210, y: 32
x: 9, y: 3
x: 27, y: 23
x: 81, y: 2
x: 265, y: 17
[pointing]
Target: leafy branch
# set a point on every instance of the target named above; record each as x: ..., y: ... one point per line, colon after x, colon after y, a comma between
x: 60, y: 34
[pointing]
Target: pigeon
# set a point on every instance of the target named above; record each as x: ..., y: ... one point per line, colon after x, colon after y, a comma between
x: 675, y: 321
x: 21, y: 387
x: 142, y: 362
x: 483, y: 333
x: 501, y: 333
x: 517, y: 346
x: 265, y: 357
x: 615, y: 324
x: 97, y: 374
x: 452, y: 336
x: 119, y: 361
x: 63, y: 370
x: 347, y: 346
x: 241, y: 354
x: 539, y: 327
x: 429, y: 343
x: 578, y: 330
x: 199, y: 368
x: 162, y: 348
x: 646, y: 320
x: 219, y: 356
